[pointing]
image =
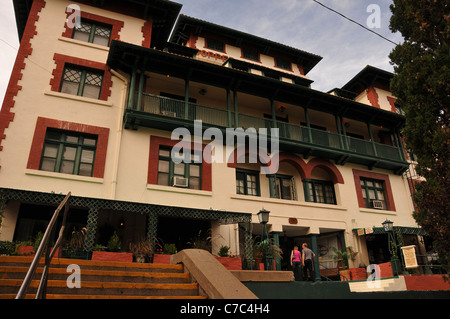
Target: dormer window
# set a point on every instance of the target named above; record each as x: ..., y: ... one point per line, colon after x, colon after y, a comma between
x: 283, y: 64
x: 215, y: 45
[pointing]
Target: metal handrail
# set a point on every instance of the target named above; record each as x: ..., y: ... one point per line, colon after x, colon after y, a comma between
x: 41, y: 292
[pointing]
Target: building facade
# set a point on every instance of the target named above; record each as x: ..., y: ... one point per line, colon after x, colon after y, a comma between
x: 91, y: 110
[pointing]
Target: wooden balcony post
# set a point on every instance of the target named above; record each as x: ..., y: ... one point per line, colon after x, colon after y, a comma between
x: 131, y: 91
x: 369, y: 128
x: 236, y: 111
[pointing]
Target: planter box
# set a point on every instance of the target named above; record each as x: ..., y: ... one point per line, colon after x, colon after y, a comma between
x: 161, y: 259
x: 111, y: 256
x: 345, y: 275
x: 230, y: 263
x: 358, y: 273
x: 386, y: 270
x: 25, y: 251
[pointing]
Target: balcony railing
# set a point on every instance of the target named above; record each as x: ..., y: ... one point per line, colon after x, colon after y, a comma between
x: 178, y: 109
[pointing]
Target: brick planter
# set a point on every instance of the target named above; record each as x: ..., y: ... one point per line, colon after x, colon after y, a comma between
x: 358, y: 273
x: 112, y: 256
x: 161, y: 259
x: 386, y: 270
x: 230, y: 263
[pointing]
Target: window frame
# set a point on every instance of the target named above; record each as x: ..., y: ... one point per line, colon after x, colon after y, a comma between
x: 94, y: 24
x: 251, y: 50
x: 279, y: 63
x: 276, y: 190
x: 316, y: 185
x: 210, y: 41
x: 389, y: 198
x: 42, y: 124
x: 365, y: 188
x: 82, y: 84
x: 171, y: 173
x: 62, y: 143
x: 245, y: 173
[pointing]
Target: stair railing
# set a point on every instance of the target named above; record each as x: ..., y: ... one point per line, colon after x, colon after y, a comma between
x: 49, y: 253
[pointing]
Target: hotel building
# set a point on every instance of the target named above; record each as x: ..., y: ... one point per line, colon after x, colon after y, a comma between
x: 90, y: 110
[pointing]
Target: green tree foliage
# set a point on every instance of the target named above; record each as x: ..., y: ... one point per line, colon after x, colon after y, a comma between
x: 421, y: 84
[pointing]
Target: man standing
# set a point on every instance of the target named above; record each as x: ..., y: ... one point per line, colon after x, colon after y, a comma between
x: 307, y: 261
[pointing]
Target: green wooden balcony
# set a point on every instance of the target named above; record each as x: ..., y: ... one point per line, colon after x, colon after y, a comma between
x: 167, y: 114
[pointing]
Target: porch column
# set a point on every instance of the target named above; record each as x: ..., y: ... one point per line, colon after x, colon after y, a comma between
x: 236, y: 111
x: 186, y: 98
x: 276, y: 241
x: 308, y: 124
x: 131, y: 89
x: 230, y: 119
x: 344, y: 132
x: 249, y: 246
x: 152, y: 229
x: 399, y: 142
x: 274, y: 116
x: 141, y: 90
x: 91, y: 229
x: 371, y: 139
x: 315, y: 249
x: 338, y: 128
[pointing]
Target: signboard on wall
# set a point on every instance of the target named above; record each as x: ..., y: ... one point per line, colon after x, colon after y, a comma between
x: 409, y: 255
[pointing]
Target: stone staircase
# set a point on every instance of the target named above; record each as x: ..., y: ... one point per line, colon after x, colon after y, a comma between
x: 100, y: 280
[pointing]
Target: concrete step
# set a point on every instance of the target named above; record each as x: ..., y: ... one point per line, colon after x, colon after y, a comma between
x: 13, y: 272
x: 94, y: 265
x: 88, y: 288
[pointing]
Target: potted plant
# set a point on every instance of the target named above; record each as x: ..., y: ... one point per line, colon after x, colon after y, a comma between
x: 74, y: 249
x: 113, y: 252
x: 24, y: 248
x: 230, y: 262
x: 142, y: 250
x: 342, y: 257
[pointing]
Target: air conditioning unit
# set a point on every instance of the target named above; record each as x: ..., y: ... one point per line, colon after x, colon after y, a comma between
x: 180, y: 182
x: 377, y: 204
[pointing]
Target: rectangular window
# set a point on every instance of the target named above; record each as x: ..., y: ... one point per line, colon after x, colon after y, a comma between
x: 250, y: 54
x: 215, y: 44
x: 317, y: 191
x: 93, y: 32
x: 247, y: 182
x: 186, y: 175
x: 373, y: 190
x: 68, y: 152
x: 283, y: 64
x: 81, y: 82
x: 282, y: 187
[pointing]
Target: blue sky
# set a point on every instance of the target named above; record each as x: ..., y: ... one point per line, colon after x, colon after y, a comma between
x: 346, y: 48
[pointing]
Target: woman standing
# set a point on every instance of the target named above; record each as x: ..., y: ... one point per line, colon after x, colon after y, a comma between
x: 296, y: 263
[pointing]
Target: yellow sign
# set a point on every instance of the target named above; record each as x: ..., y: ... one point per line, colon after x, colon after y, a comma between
x: 409, y: 255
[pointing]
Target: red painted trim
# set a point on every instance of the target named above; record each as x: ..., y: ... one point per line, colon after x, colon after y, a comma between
x: 115, y: 24
x: 43, y: 123
x: 332, y: 170
x: 373, y: 96
x: 147, y: 33
x: 392, y: 103
x: 61, y: 60
x: 357, y: 174
x: 25, y: 50
x: 156, y: 142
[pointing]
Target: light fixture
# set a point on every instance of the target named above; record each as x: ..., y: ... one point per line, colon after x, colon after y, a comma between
x: 388, y: 225
x: 263, y: 216
x: 281, y: 108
